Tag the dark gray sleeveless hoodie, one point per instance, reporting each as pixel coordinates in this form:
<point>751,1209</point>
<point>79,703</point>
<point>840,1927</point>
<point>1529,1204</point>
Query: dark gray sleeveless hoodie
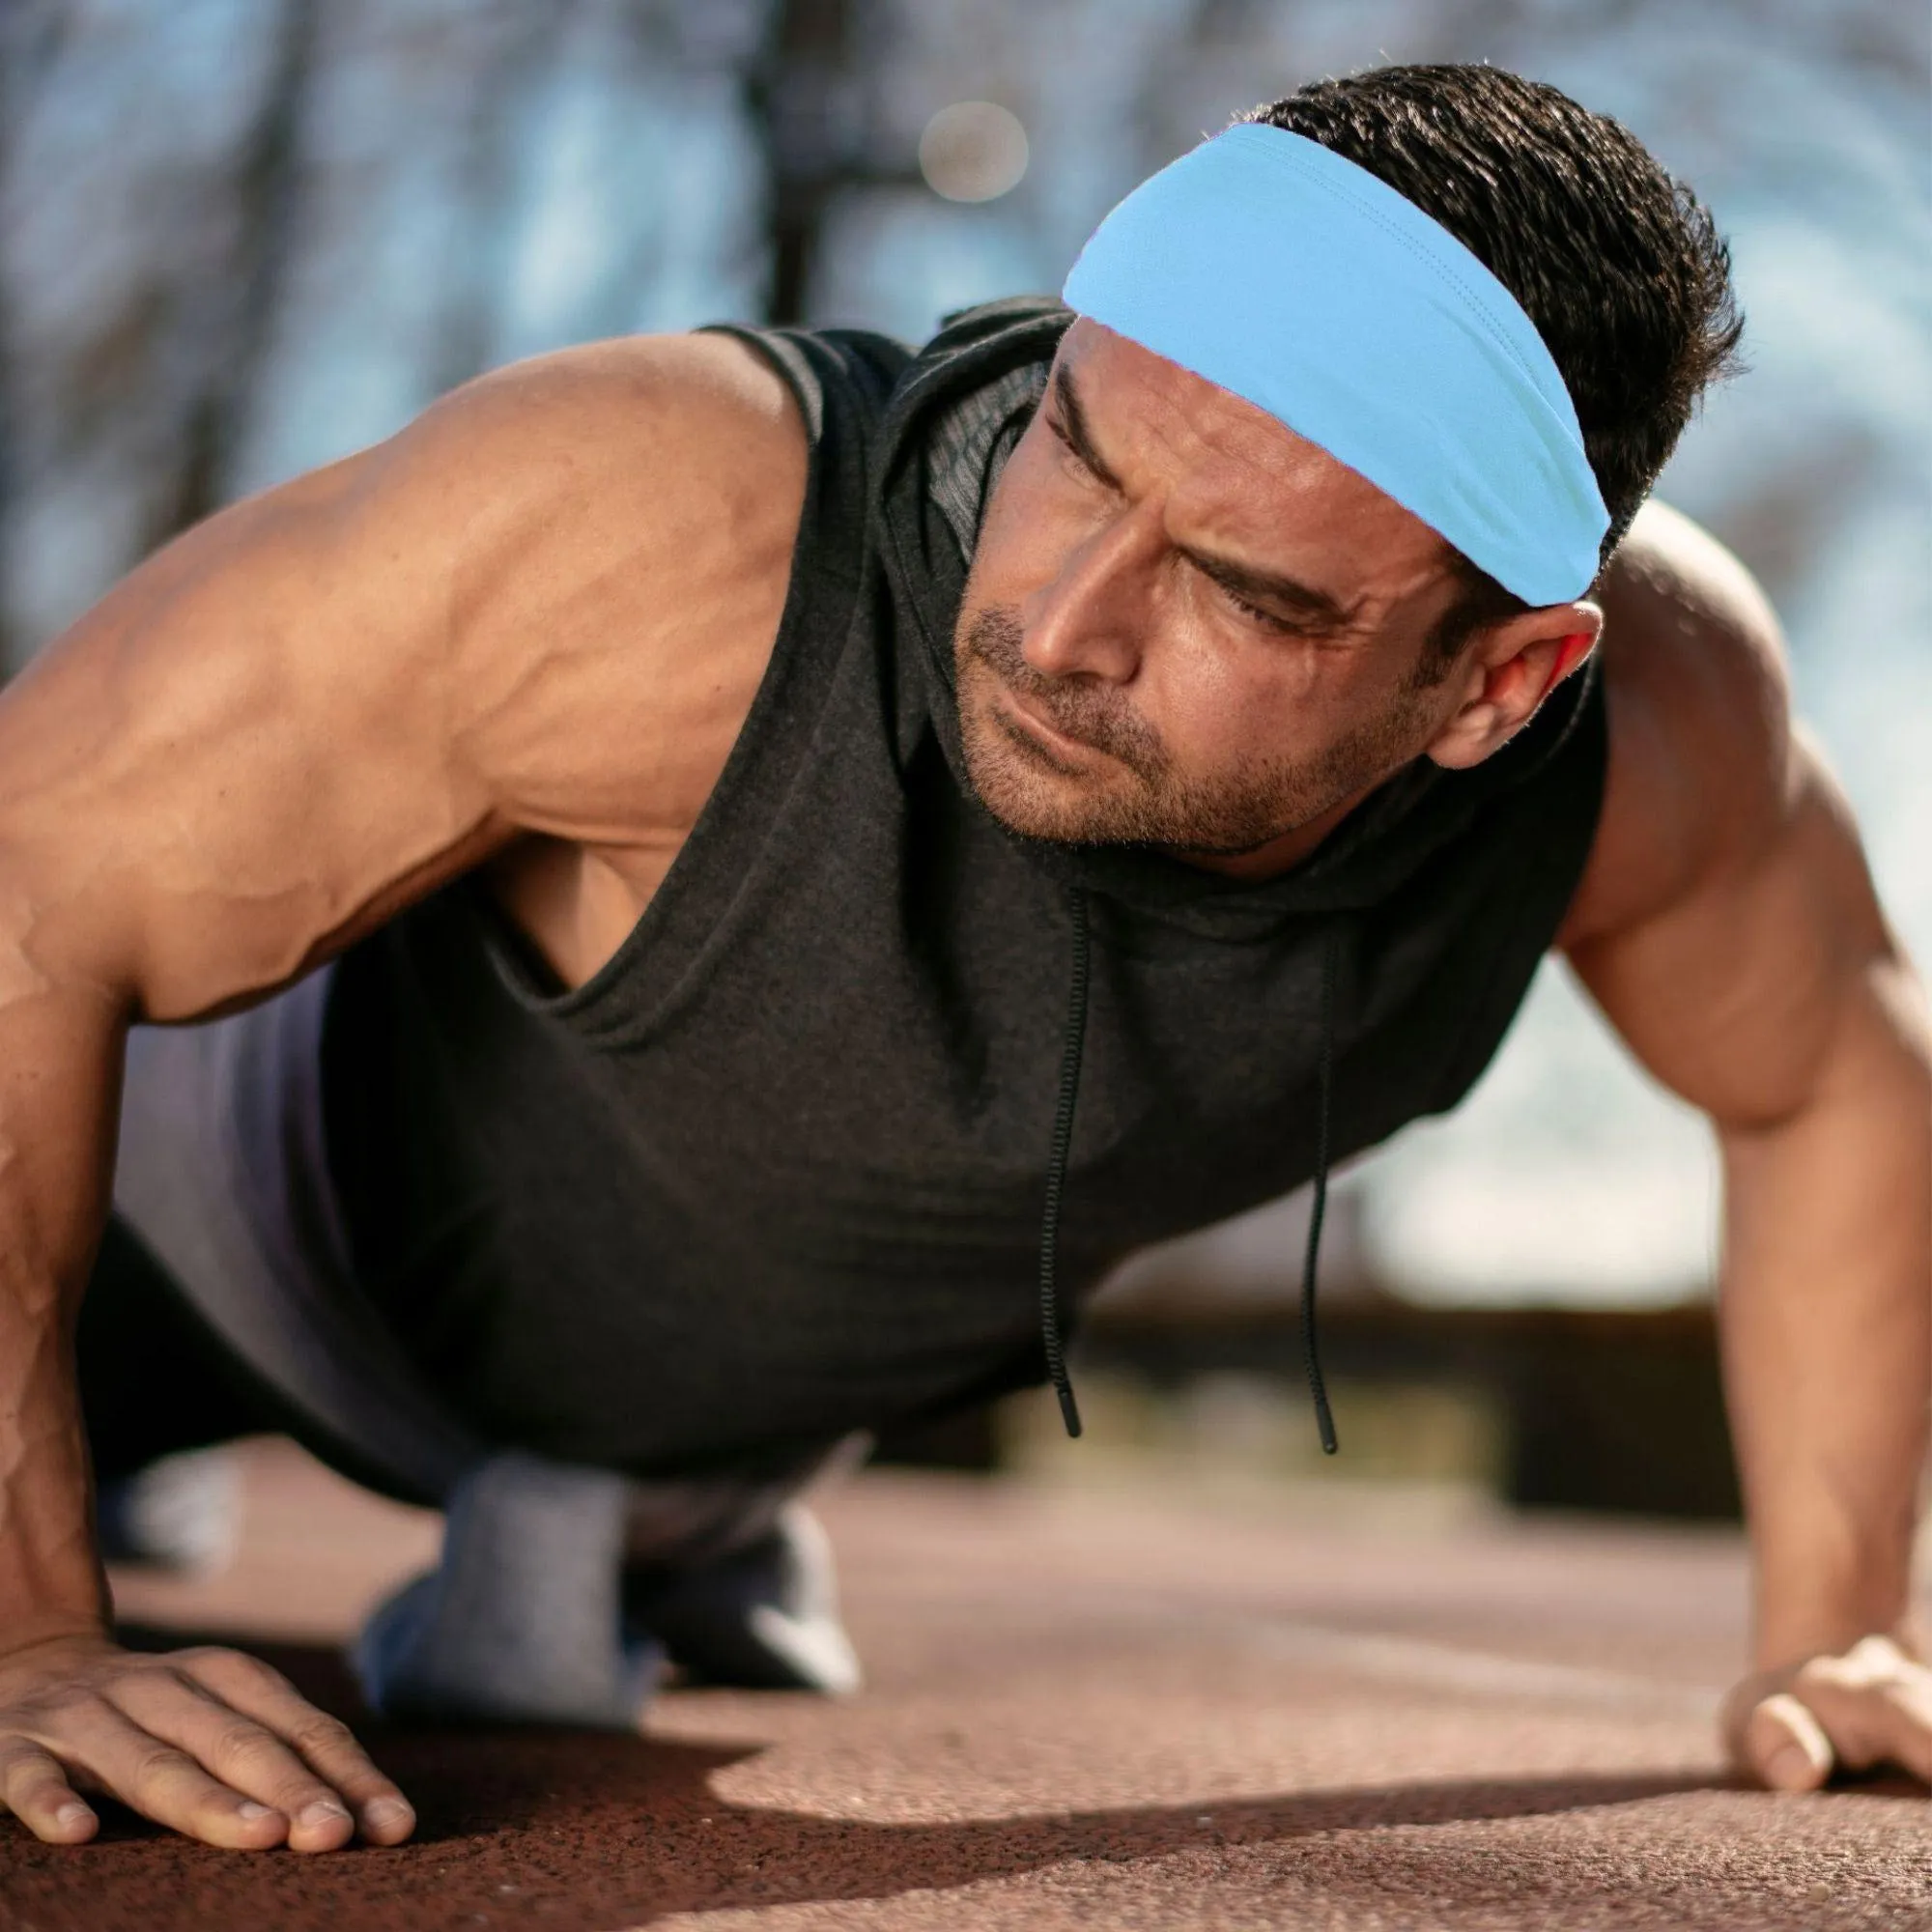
<point>778,1171</point>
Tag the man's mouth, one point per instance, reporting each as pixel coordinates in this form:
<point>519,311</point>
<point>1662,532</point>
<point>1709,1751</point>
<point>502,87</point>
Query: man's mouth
<point>1018,719</point>
<point>1068,726</point>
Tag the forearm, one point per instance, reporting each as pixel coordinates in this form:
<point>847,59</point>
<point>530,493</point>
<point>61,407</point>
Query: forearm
<point>60,1059</point>
<point>1827,1324</point>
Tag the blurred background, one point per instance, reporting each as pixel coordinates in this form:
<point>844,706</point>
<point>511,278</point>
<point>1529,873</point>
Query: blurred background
<point>239,238</point>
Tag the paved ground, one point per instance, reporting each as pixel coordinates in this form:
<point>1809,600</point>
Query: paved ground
<point>1116,1709</point>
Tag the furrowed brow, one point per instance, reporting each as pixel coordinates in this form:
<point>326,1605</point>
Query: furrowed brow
<point>1302,601</point>
<point>1074,430</point>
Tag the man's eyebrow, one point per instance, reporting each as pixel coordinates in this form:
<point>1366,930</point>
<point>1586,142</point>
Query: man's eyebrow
<point>1301,602</point>
<point>1074,430</point>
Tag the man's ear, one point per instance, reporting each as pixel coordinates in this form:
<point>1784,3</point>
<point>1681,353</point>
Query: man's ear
<point>1514,666</point>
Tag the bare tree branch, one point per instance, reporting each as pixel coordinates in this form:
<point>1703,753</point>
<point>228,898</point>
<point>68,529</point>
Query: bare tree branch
<point>268,184</point>
<point>516,36</point>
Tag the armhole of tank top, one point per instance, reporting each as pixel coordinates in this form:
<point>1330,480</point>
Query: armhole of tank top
<point>581,1008</point>
<point>1551,885</point>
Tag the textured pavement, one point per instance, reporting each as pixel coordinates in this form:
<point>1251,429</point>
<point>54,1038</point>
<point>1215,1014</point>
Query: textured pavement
<point>1118,1708</point>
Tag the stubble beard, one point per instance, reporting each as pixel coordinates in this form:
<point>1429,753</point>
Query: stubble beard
<point>1142,800</point>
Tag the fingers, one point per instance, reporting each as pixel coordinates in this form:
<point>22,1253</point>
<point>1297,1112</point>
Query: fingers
<point>1871,1705</point>
<point>241,1754</point>
<point>1784,1745</point>
<point>1874,1704</point>
<point>209,1743</point>
<point>156,1777</point>
<point>34,1787</point>
<point>323,1744</point>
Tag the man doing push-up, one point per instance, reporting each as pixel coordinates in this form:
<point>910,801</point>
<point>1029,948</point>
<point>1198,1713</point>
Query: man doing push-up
<point>724,881</point>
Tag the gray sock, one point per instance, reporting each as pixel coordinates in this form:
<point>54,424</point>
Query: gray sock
<point>538,1614</point>
<point>521,1621</point>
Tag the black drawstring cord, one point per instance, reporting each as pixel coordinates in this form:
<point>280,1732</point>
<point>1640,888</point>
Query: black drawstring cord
<point>1056,1169</point>
<point>1325,1420</point>
<point>1074,1048</point>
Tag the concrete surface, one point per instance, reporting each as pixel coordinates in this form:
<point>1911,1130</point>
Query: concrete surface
<point>1109,1706</point>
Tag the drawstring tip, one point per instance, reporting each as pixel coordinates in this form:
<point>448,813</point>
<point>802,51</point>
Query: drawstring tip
<point>1068,1412</point>
<point>1311,1266</point>
<point>1051,1340</point>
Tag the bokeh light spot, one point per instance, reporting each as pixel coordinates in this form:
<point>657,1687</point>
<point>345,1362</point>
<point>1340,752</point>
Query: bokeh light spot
<point>973,150</point>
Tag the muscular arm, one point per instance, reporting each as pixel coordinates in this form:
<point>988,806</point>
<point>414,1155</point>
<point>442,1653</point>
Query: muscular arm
<point>1728,928</point>
<point>527,627</point>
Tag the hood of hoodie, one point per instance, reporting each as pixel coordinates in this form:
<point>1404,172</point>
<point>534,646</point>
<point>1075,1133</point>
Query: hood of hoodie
<point>955,415</point>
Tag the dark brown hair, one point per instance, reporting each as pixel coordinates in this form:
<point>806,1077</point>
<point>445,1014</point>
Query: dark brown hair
<point>1616,262</point>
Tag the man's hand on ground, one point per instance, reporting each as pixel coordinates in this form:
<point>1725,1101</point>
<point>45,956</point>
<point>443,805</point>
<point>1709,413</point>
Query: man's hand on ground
<point>212,1742</point>
<point>1790,1729</point>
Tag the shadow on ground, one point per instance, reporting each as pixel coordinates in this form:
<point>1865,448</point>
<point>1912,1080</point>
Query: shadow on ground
<point>593,1831</point>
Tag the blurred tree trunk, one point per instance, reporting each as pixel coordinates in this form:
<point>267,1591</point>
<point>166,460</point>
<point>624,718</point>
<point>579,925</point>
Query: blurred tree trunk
<point>30,35</point>
<point>799,89</point>
<point>269,194</point>
<point>810,91</point>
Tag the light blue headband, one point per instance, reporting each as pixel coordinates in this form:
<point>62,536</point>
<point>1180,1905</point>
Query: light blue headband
<point>1295,278</point>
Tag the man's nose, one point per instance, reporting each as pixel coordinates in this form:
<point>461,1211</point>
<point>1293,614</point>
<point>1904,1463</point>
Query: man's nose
<point>1090,620</point>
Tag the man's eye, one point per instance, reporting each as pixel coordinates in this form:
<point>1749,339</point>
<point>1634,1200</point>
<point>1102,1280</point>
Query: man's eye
<point>1065,441</point>
<point>1267,618</point>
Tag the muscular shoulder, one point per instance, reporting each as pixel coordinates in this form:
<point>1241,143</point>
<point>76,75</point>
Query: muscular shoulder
<point>1726,924</point>
<point>1703,764</point>
<point>630,512</point>
<point>536,615</point>
<point>617,527</point>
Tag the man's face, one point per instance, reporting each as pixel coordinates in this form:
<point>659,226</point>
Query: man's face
<point>1186,626</point>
